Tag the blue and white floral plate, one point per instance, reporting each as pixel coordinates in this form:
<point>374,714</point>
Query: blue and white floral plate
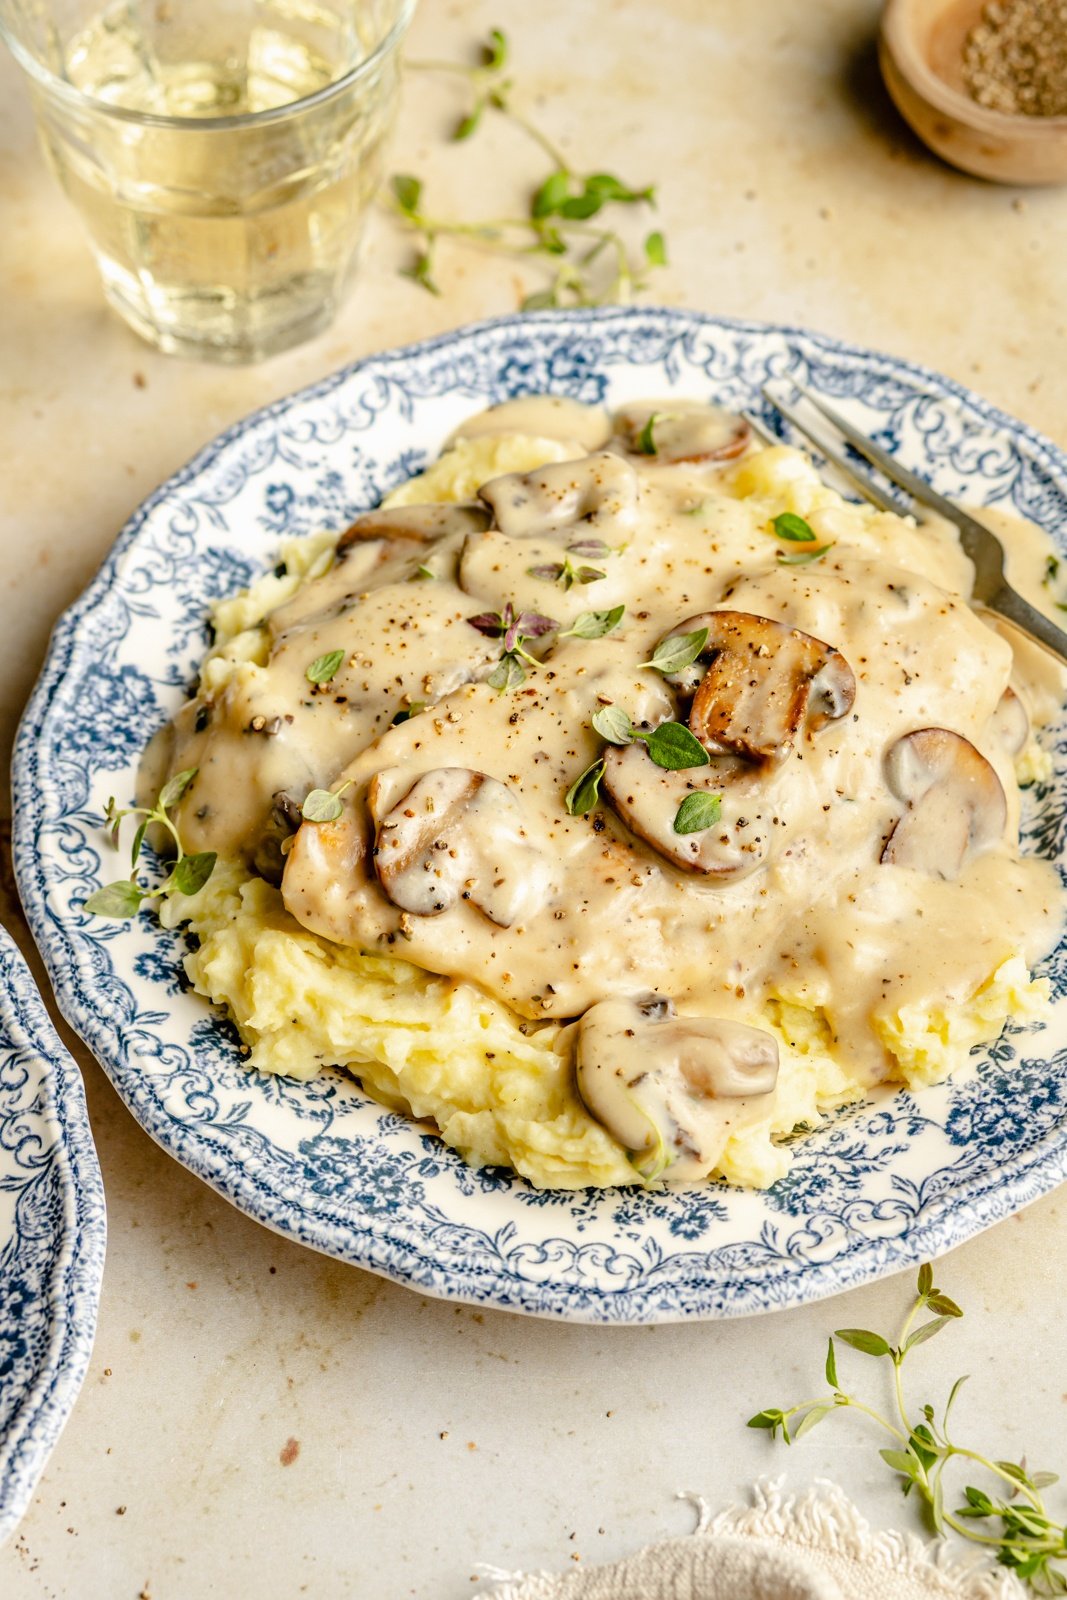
<point>875,1191</point>
<point>52,1229</point>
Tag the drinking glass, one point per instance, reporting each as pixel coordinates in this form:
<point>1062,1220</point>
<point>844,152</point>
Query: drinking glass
<point>222,153</point>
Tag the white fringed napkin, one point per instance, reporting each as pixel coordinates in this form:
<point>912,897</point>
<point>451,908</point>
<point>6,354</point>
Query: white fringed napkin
<point>814,1546</point>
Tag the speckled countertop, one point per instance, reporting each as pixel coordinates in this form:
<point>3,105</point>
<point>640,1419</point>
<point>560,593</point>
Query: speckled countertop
<point>259,1420</point>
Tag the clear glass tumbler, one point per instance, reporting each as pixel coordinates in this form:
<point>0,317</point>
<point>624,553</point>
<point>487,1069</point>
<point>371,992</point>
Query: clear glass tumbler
<point>222,153</point>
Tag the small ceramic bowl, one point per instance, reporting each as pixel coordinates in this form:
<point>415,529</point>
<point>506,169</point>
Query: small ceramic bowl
<point>921,52</point>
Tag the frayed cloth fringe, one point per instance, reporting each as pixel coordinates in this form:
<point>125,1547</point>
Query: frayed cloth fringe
<point>820,1523</point>
<point>824,1519</point>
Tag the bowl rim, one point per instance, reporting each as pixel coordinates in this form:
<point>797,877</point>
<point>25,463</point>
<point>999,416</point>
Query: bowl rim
<point>897,39</point>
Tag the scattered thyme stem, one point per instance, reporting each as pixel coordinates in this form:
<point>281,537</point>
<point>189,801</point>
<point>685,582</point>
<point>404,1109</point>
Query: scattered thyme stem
<point>1024,1537</point>
<point>161,816</point>
<point>898,1384</point>
<point>551,150</point>
<point>564,199</point>
<point>876,1416</point>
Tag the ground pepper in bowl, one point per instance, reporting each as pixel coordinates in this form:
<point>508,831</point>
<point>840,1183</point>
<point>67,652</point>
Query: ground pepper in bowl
<point>1015,58</point>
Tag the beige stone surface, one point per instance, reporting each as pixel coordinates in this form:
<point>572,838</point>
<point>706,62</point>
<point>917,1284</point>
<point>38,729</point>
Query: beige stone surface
<point>261,1421</point>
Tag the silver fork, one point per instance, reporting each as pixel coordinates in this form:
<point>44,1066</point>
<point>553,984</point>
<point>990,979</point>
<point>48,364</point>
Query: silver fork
<point>980,544</point>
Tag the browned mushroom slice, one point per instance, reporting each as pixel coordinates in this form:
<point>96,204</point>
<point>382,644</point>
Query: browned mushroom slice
<point>1010,723</point>
<point>268,856</point>
<point>667,1087</point>
<point>648,799</point>
<point>763,683</point>
<point>682,431</point>
<point>955,804</point>
<point>596,494</point>
<point>416,526</point>
<point>454,836</point>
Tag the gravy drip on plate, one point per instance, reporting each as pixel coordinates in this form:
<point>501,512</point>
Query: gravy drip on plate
<point>822,879</point>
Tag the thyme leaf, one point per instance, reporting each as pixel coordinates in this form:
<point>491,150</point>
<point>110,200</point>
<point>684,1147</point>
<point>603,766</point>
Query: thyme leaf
<point>172,790</point>
<point>324,805</point>
<point>584,792</point>
<point>323,667</point>
<point>787,525</point>
<point>673,747</point>
<point>645,442</point>
<point>656,249</point>
<point>697,812</point>
<point>613,724</point>
<point>406,713</point>
<point>120,900</point>
<point>591,549</point>
<point>508,674</point>
<point>407,192</point>
<point>421,272</point>
<point>677,651</point>
<point>800,558</point>
<point>594,624</point>
<point>192,872</point>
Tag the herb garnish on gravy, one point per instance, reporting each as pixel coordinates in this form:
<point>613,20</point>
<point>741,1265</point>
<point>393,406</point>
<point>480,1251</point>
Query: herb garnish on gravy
<point>622,848</point>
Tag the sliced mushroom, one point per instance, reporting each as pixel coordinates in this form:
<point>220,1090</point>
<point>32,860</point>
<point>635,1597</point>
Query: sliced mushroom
<point>648,797</point>
<point>685,431</point>
<point>598,494</point>
<point>416,526</point>
<point>763,683</point>
<point>454,836</point>
<point>955,803</point>
<point>1009,725</point>
<point>668,1087</point>
<point>268,857</point>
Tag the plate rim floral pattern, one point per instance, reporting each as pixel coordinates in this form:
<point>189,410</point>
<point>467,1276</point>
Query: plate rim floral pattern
<point>52,1261</point>
<point>414,1215</point>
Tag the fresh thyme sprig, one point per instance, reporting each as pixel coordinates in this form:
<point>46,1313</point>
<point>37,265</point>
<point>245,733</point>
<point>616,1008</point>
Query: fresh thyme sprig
<point>671,746</point>
<point>1015,1524</point>
<point>514,628</point>
<point>558,224</point>
<point>189,873</point>
<point>566,573</point>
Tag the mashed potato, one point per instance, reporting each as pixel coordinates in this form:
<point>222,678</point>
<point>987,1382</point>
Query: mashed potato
<point>500,1089</point>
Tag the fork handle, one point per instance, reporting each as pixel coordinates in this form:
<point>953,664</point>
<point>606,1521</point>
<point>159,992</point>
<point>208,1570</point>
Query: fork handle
<point>1006,603</point>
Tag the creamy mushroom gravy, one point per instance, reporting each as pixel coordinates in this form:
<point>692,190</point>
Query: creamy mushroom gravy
<point>858,739</point>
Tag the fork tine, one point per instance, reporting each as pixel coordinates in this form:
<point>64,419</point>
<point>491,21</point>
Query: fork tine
<point>979,543</point>
<point>759,429</point>
<point>867,487</point>
<point>918,488</point>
